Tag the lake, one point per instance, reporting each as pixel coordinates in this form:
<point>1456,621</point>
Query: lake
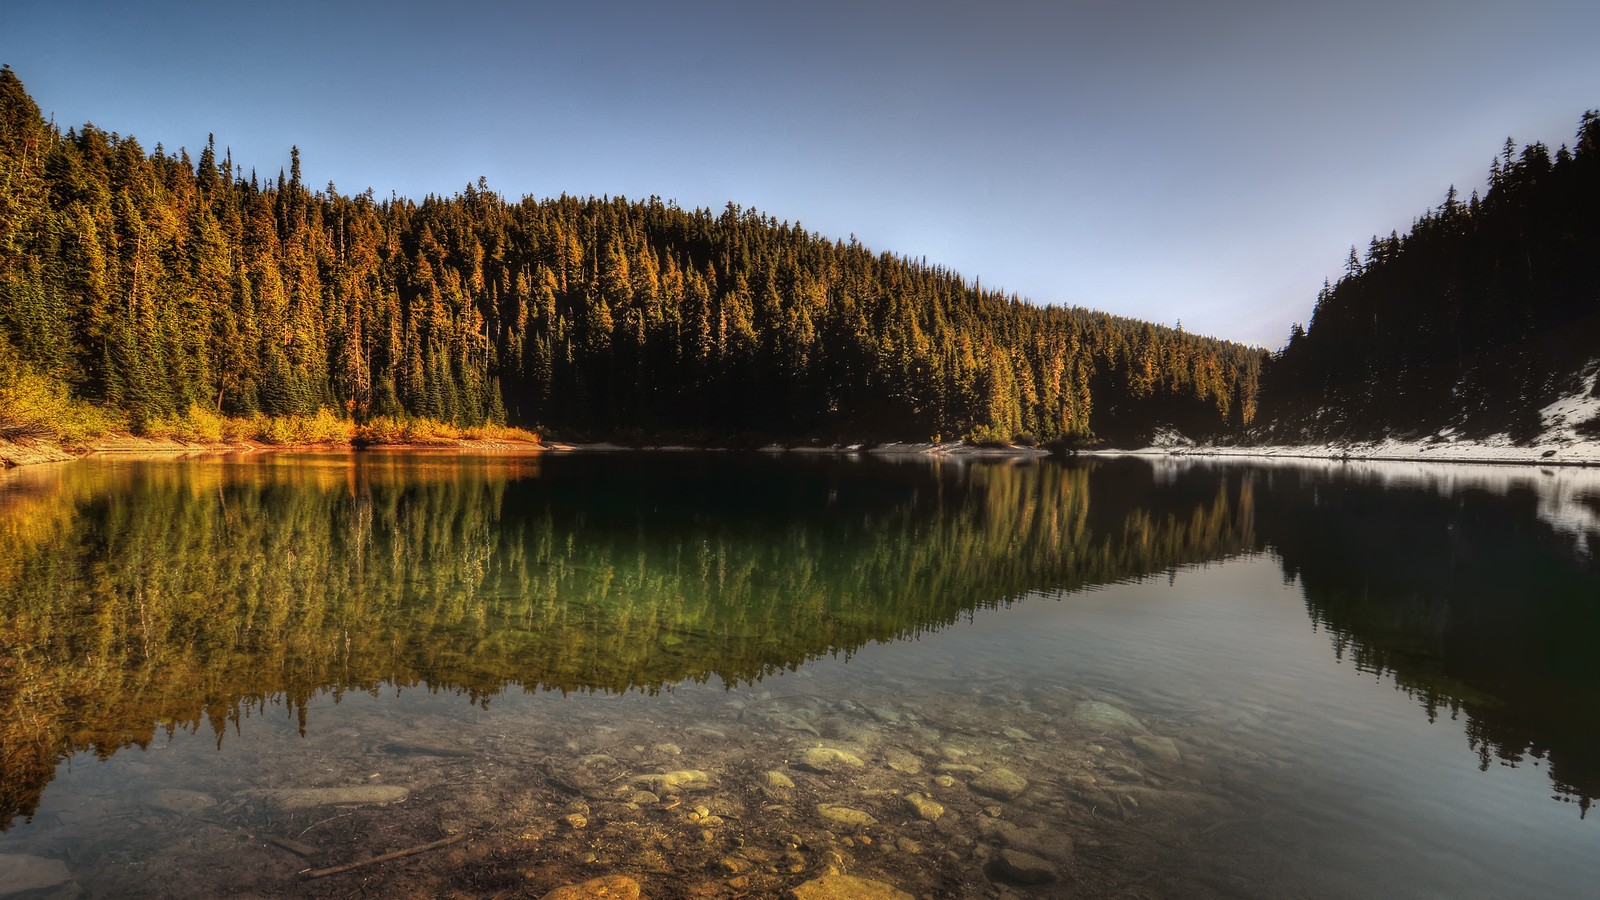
<point>727,675</point>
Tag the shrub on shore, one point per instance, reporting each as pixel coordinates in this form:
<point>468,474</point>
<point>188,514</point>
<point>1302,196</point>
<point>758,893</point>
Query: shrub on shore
<point>35,407</point>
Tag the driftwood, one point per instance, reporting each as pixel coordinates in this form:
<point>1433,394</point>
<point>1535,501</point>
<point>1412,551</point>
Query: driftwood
<point>409,851</point>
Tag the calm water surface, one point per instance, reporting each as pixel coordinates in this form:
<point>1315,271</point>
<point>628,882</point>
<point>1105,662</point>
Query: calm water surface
<point>726,675</point>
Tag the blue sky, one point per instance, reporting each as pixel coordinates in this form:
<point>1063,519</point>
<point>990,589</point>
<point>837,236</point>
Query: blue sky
<point>1202,162</point>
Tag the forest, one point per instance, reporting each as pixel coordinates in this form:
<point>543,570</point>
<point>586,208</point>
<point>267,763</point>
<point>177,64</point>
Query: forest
<point>139,289</point>
<point>160,294</point>
<point>1485,312</point>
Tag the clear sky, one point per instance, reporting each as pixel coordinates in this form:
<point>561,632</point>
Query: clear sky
<point>1202,161</point>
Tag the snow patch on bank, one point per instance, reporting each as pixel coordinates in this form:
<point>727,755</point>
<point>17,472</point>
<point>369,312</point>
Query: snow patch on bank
<point>1570,437</point>
<point>1564,418</point>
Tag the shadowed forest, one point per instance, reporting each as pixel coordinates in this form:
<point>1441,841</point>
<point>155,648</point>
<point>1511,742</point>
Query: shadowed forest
<point>1484,313</point>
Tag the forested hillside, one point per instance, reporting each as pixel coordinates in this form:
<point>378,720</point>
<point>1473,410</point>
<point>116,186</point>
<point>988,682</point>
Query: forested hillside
<point>1484,313</point>
<point>155,285</point>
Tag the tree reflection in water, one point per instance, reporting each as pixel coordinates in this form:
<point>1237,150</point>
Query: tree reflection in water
<point>138,598</point>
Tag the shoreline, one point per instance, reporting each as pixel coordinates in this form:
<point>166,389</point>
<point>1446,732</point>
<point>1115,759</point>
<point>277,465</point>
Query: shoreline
<point>26,453</point>
<point>1576,454</point>
<point>21,453</point>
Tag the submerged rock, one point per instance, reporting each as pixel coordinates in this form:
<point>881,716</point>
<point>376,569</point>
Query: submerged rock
<point>827,760</point>
<point>25,876</point>
<point>1162,748</point>
<point>180,801</point>
<point>929,810</point>
<point>1016,867</point>
<point>611,887</point>
<point>847,887</point>
<point>355,795</point>
<point>885,715</point>
<point>1000,783</point>
<point>1048,843</point>
<point>903,762</point>
<point>1098,716</point>
<point>777,787</point>
<point>681,780</point>
<point>845,816</point>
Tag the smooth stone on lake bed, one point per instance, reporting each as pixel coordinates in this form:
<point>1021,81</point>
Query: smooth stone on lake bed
<point>1001,783</point>
<point>358,795</point>
<point>24,876</point>
<point>1162,748</point>
<point>929,810</point>
<point>180,801</point>
<point>682,779</point>
<point>847,887</point>
<point>903,762</point>
<point>1099,716</point>
<point>1047,843</point>
<point>827,760</point>
<point>845,816</point>
<point>611,887</point>
<point>1016,867</point>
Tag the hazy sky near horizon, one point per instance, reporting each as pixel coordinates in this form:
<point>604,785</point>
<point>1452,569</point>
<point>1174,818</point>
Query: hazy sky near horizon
<point>1202,162</point>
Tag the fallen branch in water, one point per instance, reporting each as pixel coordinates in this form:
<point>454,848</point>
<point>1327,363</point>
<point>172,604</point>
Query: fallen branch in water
<point>410,851</point>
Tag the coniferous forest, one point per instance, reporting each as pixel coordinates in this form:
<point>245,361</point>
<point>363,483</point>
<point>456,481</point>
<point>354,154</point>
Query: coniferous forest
<point>138,288</point>
<point>152,284</point>
<point>1484,313</point>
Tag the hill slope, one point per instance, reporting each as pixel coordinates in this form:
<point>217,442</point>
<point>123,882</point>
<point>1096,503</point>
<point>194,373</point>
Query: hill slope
<point>151,284</point>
